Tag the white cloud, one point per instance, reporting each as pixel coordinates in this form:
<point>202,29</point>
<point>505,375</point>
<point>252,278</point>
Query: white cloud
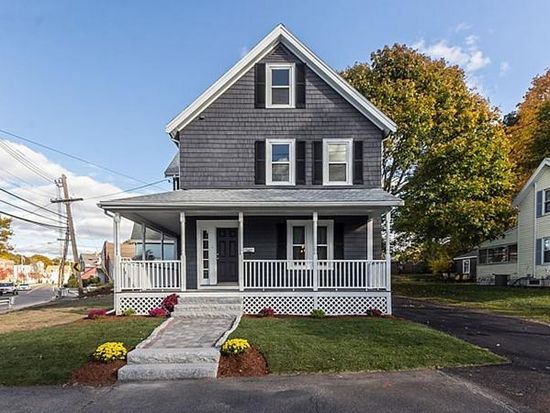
<point>93,227</point>
<point>504,68</point>
<point>462,27</point>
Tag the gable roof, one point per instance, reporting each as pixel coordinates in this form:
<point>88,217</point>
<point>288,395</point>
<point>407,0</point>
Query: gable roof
<point>280,35</point>
<point>525,190</point>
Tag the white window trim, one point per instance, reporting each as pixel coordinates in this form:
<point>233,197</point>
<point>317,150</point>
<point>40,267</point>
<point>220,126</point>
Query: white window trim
<point>349,161</point>
<point>268,86</point>
<point>543,262</point>
<point>269,161</point>
<point>464,262</point>
<point>308,224</point>
<point>544,200</point>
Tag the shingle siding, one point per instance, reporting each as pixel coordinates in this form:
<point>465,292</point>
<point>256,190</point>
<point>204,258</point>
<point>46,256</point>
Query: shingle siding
<point>217,148</point>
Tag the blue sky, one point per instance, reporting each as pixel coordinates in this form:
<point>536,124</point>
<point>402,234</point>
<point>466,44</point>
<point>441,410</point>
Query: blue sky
<point>100,79</point>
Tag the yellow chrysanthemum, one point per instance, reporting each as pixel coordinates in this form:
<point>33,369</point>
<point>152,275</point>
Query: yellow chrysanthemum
<point>235,346</point>
<point>110,351</point>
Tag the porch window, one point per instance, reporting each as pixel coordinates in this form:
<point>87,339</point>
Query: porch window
<point>279,85</point>
<point>322,242</point>
<point>337,161</point>
<point>299,243</point>
<point>280,162</point>
<point>205,249</point>
<point>300,239</point>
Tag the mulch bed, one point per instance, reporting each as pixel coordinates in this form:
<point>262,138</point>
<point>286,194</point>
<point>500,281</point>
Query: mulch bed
<point>250,364</point>
<point>95,373</point>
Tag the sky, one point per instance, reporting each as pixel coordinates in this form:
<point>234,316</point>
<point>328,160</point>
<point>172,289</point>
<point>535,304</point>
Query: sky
<point>100,79</point>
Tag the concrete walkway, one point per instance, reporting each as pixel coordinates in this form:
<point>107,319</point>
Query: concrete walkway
<point>526,344</point>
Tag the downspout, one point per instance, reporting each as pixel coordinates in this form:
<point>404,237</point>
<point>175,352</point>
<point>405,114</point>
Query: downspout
<point>534,229</point>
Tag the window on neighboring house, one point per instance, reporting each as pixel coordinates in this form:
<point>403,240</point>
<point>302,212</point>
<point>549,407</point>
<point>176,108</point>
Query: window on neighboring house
<point>280,162</point>
<point>279,85</point>
<point>547,201</point>
<point>499,255</point>
<point>466,266</point>
<point>300,239</point>
<point>337,161</point>
<point>546,251</point>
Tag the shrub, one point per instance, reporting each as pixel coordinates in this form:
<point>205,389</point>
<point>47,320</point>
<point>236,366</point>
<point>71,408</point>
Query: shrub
<point>374,312</point>
<point>266,312</point>
<point>158,312</point>
<point>110,351</point>
<point>235,346</point>
<point>169,302</point>
<point>317,313</point>
<point>440,265</point>
<point>129,312</point>
<point>96,313</point>
<point>71,282</point>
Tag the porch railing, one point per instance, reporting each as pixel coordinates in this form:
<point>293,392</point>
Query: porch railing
<point>323,274</point>
<point>150,275</point>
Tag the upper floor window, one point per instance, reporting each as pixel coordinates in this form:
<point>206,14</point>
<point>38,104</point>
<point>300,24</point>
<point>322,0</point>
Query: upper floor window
<point>547,201</point>
<point>280,162</point>
<point>279,85</point>
<point>337,160</point>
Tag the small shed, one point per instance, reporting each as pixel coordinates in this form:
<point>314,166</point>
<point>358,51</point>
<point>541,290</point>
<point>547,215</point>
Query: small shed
<point>466,264</point>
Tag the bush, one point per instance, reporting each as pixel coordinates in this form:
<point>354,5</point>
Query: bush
<point>317,313</point>
<point>96,313</point>
<point>169,302</point>
<point>158,312</point>
<point>235,346</point>
<point>374,312</point>
<point>110,351</point>
<point>71,282</point>
<point>266,312</point>
<point>129,312</point>
<point>440,265</point>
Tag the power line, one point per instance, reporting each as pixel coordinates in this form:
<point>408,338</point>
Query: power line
<point>78,158</point>
<point>21,158</point>
<point>32,203</point>
<point>28,210</point>
<point>128,190</point>
<point>43,224</point>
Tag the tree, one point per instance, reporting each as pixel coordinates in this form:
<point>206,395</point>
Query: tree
<point>449,157</point>
<point>5,234</point>
<point>540,147</point>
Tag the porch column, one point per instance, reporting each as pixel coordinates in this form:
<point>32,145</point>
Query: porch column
<point>241,251</point>
<point>315,255</point>
<point>116,252</point>
<point>370,226</point>
<point>162,246</point>
<point>388,261</point>
<point>183,259</point>
<point>143,238</point>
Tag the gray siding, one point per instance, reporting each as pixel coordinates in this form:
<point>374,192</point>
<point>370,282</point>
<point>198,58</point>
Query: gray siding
<point>217,151</point>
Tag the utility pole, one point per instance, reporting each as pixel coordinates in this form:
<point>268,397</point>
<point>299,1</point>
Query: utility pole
<point>67,200</point>
<point>61,275</point>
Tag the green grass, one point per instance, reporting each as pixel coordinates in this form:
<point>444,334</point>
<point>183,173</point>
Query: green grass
<point>301,344</point>
<point>529,303</point>
<point>49,355</point>
<point>82,305</point>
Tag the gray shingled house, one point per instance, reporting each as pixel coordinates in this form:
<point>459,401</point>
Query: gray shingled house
<point>277,196</point>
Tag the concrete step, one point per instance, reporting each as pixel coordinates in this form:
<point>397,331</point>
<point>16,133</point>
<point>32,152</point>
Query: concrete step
<point>209,307</point>
<point>148,372</point>
<point>204,314</point>
<point>173,355</point>
<point>211,300</point>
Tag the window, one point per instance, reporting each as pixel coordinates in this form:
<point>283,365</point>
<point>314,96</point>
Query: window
<point>466,266</point>
<point>300,239</point>
<point>280,162</point>
<point>499,255</point>
<point>205,250</point>
<point>546,251</point>
<point>337,161</point>
<point>279,85</point>
<point>546,207</point>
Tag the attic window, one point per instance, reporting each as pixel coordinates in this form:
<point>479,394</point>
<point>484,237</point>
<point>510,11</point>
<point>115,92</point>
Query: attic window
<point>279,85</point>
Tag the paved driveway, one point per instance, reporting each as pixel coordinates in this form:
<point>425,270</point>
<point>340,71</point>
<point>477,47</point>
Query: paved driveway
<point>526,344</point>
<point>421,391</point>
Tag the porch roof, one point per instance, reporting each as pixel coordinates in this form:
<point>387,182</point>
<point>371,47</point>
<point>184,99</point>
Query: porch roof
<point>261,197</point>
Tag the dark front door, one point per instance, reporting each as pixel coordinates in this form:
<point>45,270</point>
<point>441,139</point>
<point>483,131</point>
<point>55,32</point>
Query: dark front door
<point>228,263</point>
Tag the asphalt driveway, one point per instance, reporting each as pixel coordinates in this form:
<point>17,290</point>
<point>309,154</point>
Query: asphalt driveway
<point>526,344</point>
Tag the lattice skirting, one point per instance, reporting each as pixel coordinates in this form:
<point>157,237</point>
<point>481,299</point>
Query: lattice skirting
<point>141,302</point>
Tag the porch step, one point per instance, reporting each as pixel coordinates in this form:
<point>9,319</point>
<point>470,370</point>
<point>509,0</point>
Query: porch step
<point>214,307</point>
<point>204,314</point>
<point>173,356</point>
<point>203,299</point>
<point>167,371</point>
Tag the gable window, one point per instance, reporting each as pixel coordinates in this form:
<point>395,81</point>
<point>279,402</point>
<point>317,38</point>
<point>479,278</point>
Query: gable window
<point>300,240</point>
<point>546,207</point>
<point>337,155</point>
<point>279,85</point>
<point>280,162</point>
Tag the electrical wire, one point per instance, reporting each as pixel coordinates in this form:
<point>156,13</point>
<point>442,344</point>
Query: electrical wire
<point>30,165</point>
<point>30,202</point>
<point>43,224</point>
<point>29,211</point>
<point>127,190</point>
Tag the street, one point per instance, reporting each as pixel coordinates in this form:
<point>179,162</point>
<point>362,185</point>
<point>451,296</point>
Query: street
<point>39,294</point>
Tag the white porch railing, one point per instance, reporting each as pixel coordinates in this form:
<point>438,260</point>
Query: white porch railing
<point>324,274</point>
<point>150,275</point>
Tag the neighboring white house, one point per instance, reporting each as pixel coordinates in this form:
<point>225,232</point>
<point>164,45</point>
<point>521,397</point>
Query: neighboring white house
<point>524,250</point>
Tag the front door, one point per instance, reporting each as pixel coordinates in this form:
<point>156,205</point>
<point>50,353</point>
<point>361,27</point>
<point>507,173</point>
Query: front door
<point>227,256</point>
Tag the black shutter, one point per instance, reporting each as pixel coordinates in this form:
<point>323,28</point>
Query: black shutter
<point>338,241</point>
<point>281,241</point>
<point>300,86</point>
<point>539,204</point>
<point>317,163</point>
<point>357,162</point>
<point>538,252</point>
<point>259,164</point>
<point>300,162</point>
<point>259,85</point>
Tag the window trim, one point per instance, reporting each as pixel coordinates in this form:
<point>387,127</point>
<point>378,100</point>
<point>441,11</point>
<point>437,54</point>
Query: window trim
<point>494,247</point>
<point>308,224</point>
<point>291,85</point>
<point>546,201</point>
<point>542,251</point>
<point>467,260</point>
<point>349,161</point>
<point>291,162</point>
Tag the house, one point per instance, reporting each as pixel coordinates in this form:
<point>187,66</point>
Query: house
<point>523,251</point>
<point>278,198</point>
<point>90,264</point>
<point>52,273</point>
<point>466,264</point>
<point>6,269</point>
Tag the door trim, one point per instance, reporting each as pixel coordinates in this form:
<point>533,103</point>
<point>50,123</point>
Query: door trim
<point>211,227</point>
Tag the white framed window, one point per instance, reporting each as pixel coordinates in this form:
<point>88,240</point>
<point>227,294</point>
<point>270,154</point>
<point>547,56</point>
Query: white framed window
<point>279,83</point>
<point>546,251</point>
<point>546,202</point>
<point>337,161</point>
<point>300,239</point>
<point>280,162</point>
<point>466,266</point>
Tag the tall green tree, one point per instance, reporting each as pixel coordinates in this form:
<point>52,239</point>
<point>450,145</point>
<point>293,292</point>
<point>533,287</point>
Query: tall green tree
<point>449,157</point>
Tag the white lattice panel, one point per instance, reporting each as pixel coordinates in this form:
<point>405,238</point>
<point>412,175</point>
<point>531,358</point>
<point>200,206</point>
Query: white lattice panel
<point>352,305</point>
<point>297,305</point>
<point>141,304</point>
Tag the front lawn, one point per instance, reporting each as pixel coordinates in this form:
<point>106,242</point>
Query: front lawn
<point>530,303</point>
<point>49,355</point>
<point>307,345</point>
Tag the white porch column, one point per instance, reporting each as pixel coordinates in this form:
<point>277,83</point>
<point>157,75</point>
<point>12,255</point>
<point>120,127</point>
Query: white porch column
<point>183,258</point>
<point>388,261</point>
<point>117,279</point>
<point>370,226</point>
<point>143,238</point>
<point>241,251</point>
<point>315,255</point>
